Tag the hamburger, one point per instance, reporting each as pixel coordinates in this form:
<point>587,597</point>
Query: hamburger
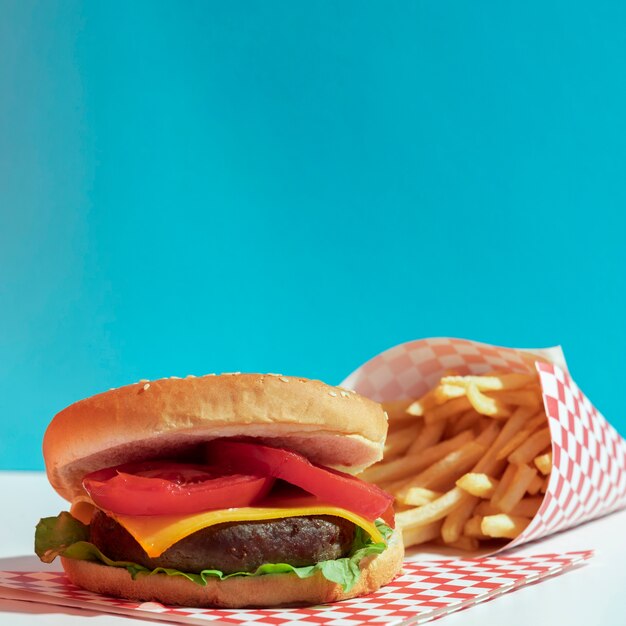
<point>227,491</point>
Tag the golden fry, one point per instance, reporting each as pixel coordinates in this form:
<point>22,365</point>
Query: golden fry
<point>443,393</point>
<point>465,543</point>
<point>531,447</point>
<point>516,489</point>
<point>543,463</point>
<point>527,507</point>
<point>420,534</point>
<point>429,436</point>
<point>401,468</point>
<point>520,397</point>
<point>478,484</point>
<point>455,521</point>
<point>503,526</point>
<point>430,512</point>
<point>486,508</point>
<point>521,436</point>
<point>469,419</point>
<point>447,410</point>
<point>486,405</point>
<point>472,527</point>
<point>535,485</point>
<point>489,434</point>
<point>400,440</point>
<point>417,496</point>
<point>453,463</point>
<point>520,419</point>
<point>493,382</point>
<point>503,485</point>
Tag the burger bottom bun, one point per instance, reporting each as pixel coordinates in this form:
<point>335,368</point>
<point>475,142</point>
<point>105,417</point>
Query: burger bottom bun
<point>270,590</point>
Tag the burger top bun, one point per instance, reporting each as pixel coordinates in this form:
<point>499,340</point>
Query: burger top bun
<point>329,425</point>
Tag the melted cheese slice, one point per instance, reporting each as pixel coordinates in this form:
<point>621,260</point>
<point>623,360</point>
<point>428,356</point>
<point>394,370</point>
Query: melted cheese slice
<point>83,509</point>
<point>156,533</point>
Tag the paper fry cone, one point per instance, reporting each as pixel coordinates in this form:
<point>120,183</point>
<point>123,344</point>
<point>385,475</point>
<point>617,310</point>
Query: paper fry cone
<point>588,477</point>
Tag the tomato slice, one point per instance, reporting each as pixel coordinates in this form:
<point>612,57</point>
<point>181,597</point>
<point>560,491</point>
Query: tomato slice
<point>328,485</point>
<point>168,488</point>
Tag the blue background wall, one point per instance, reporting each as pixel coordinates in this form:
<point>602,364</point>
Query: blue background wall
<point>284,186</point>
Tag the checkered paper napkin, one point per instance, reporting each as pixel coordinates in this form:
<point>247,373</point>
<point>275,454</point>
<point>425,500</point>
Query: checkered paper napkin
<point>588,476</point>
<point>424,591</point>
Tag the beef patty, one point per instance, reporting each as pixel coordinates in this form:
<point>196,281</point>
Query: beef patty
<point>234,546</point>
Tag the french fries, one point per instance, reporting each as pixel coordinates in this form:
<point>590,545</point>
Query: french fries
<point>531,447</point>
<point>399,442</point>
<point>421,534</point>
<point>447,410</point>
<point>469,544</point>
<point>484,404</point>
<point>503,526</point>
<point>431,512</point>
<point>473,528</point>
<point>516,489</point>
<point>429,436</point>
<point>491,383</point>
<point>477,484</point>
<point>543,462</point>
<point>535,485</point>
<point>446,468</point>
<point>404,467</point>
<point>469,461</point>
<point>416,496</point>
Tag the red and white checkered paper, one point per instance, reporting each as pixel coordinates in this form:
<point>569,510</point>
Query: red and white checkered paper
<point>425,591</point>
<point>588,476</point>
<point>588,480</point>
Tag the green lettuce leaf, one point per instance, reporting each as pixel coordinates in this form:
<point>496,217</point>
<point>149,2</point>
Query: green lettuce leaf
<point>66,536</point>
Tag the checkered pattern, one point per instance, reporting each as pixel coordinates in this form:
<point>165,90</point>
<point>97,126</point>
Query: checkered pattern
<point>589,456</point>
<point>411,369</point>
<point>589,459</point>
<point>425,591</point>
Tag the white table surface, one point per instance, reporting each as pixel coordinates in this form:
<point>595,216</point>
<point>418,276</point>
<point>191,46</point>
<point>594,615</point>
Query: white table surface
<point>594,594</point>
